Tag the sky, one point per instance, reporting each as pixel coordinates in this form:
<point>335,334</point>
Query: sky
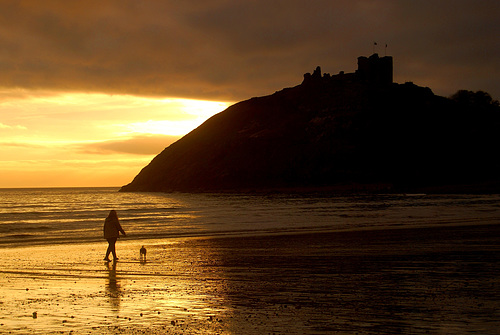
<point>92,90</point>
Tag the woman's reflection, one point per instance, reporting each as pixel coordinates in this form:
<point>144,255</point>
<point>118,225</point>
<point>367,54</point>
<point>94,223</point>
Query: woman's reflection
<point>113,287</point>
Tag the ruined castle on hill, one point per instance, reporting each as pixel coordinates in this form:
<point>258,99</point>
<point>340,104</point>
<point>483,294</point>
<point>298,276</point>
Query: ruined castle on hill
<point>373,70</point>
<point>338,134</point>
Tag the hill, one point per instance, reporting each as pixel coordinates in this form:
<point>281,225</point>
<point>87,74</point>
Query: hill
<point>348,133</point>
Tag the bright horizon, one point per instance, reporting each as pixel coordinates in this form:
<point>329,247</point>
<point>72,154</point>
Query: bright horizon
<point>51,139</point>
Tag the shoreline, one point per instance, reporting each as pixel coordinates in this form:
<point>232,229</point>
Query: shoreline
<point>344,189</point>
<point>245,234</point>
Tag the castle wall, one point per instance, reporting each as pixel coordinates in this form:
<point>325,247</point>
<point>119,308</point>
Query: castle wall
<point>373,70</point>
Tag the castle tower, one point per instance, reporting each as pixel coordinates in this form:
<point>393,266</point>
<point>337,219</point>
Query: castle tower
<point>375,70</point>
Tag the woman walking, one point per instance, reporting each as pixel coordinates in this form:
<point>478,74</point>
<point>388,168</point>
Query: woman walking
<point>112,229</point>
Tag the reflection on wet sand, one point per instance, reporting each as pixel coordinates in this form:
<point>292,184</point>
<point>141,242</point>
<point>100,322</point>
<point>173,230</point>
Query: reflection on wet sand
<point>113,287</point>
<point>391,282</point>
<point>415,281</point>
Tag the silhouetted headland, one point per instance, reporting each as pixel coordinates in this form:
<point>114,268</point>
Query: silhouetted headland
<point>350,132</point>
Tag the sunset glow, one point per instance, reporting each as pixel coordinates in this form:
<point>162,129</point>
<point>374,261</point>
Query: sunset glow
<point>194,112</point>
<point>91,91</point>
<point>88,139</point>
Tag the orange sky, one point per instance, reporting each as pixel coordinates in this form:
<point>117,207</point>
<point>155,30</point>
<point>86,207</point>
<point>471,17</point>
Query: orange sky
<point>91,91</point>
<point>82,139</point>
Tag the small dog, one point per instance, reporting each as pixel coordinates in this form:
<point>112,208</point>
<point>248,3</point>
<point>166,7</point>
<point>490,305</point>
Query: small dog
<point>143,252</point>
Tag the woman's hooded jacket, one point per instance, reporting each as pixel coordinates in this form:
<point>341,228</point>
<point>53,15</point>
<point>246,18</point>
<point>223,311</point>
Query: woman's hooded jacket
<point>112,227</point>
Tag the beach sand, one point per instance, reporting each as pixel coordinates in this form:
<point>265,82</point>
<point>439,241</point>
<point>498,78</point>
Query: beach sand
<point>414,281</point>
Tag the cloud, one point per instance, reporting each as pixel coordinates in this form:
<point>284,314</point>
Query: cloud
<point>16,127</point>
<point>232,50</point>
<point>22,145</point>
<point>138,145</point>
<point>17,93</point>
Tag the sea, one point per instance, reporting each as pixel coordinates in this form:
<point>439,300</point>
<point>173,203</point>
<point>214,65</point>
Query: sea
<point>40,216</point>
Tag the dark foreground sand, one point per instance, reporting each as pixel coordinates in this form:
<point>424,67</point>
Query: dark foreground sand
<point>411,281</point>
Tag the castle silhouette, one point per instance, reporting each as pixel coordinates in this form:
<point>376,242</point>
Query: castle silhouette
<point>373,70</point>
<point>346,133</point>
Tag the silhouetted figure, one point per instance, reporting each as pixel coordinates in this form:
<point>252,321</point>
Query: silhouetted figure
<point>143,252</point>
<point>112,229</point>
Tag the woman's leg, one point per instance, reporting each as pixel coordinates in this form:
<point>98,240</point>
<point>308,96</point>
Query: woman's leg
<point>111,248</point>
<point>108,251</point>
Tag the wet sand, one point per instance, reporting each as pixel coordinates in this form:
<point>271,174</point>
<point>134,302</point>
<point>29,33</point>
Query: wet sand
<point>413,281</point>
